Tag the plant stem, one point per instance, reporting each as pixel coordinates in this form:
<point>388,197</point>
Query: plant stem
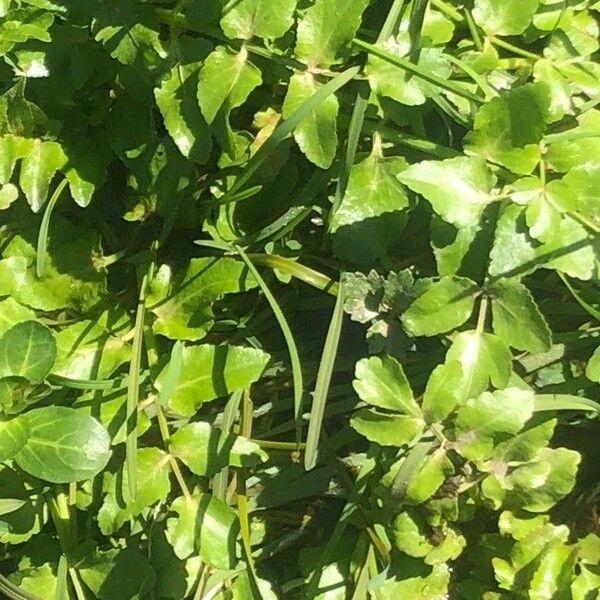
<point>483,305</point>
<point>512,48</point>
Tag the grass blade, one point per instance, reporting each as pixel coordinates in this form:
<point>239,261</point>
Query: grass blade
<point>356,124</point>
<point>62,586</point>
<point>287,127</point>
<point>133,388</point>
<point>415,26</point>
<point>323,380</point>
<point>585,305</point>
<point>293,268</point>
<point>350,509</point>
<point>408,468</point>
<point>551,402</point>
<point>220,480</point>
<point>10,590</point>
<point>294,215</point>
<point>42,240</point>
<point>405,64</point>
<point>289,340</point>
<point>89,384</point>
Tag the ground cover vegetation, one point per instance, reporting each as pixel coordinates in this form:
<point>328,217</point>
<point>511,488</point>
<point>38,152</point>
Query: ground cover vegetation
<point>299,299</point>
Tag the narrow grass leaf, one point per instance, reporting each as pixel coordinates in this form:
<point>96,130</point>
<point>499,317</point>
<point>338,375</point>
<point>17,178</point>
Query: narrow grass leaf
<point>323,380</point>
<point>408,468</point>
<point>133,389</point>
<point>10,590</point>
<point>62,585</point>
<point>289,340</point>
<point>403,63</point>
<point>220,480</point>
<point>293,268</point>
<point>354,130</point>
<point>288,126</point>
<point>585,305</point>
<point>91,384</point>
<point>42,241</point>
<point>552,402</point>
<point>415,27</point>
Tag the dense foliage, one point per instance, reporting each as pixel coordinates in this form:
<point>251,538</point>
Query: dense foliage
<point>299,299</point>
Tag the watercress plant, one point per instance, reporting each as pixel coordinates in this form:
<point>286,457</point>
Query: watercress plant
<point>299,299</point>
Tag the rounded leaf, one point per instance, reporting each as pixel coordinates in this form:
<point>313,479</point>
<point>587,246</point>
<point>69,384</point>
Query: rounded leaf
<point>27,350</point>
<point>63,445</point>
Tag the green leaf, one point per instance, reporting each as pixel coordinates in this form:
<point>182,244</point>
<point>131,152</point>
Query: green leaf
<point>8,194</point>
<point>387,79</point>
<point>428,586</point>
<point>152,486</point>
<point>504,17</point>
<point>63,445</point>
<point>545,203</point>
<point>13,436</point>
<point>441,395</point>
<point>577,146</point>
<point>517,320</point>
<point>41,162</point>
<point>502,411</point>
<point>386,429</point>
<point>584,180</point>
<point>466,190</point>
<point>90,350</point>
<point>445,305</point>
<point>326,30</point>
<point>71,276</point>
<point>427,479</point>
<point>129,31</point>
<point>483,418</point>
<point>208,372</point>
<point>183,303</point>
<point>539,485</point>
<point>176,98</point>
<point>316,134</point>
<point>12,149</point>
<point>509,128</point>
<point>525,445</point>
<point>484,358</point>
<point>225,82</point>
<point>365,226</point>
<point>515,253</point>
<point>381,382</point>
<point>592,369</point>
<point>118,575</point>
<point>11,313</point>
<point>28,350</point>
<point>110,408</point>
<point>17,393</point>
<point>411,534</point>
<point>28,514</point>
<point>206,450</point>
<point>261,18</point>
<point>39,581</point>
<point>554,572</point>
<point>206,526</point>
